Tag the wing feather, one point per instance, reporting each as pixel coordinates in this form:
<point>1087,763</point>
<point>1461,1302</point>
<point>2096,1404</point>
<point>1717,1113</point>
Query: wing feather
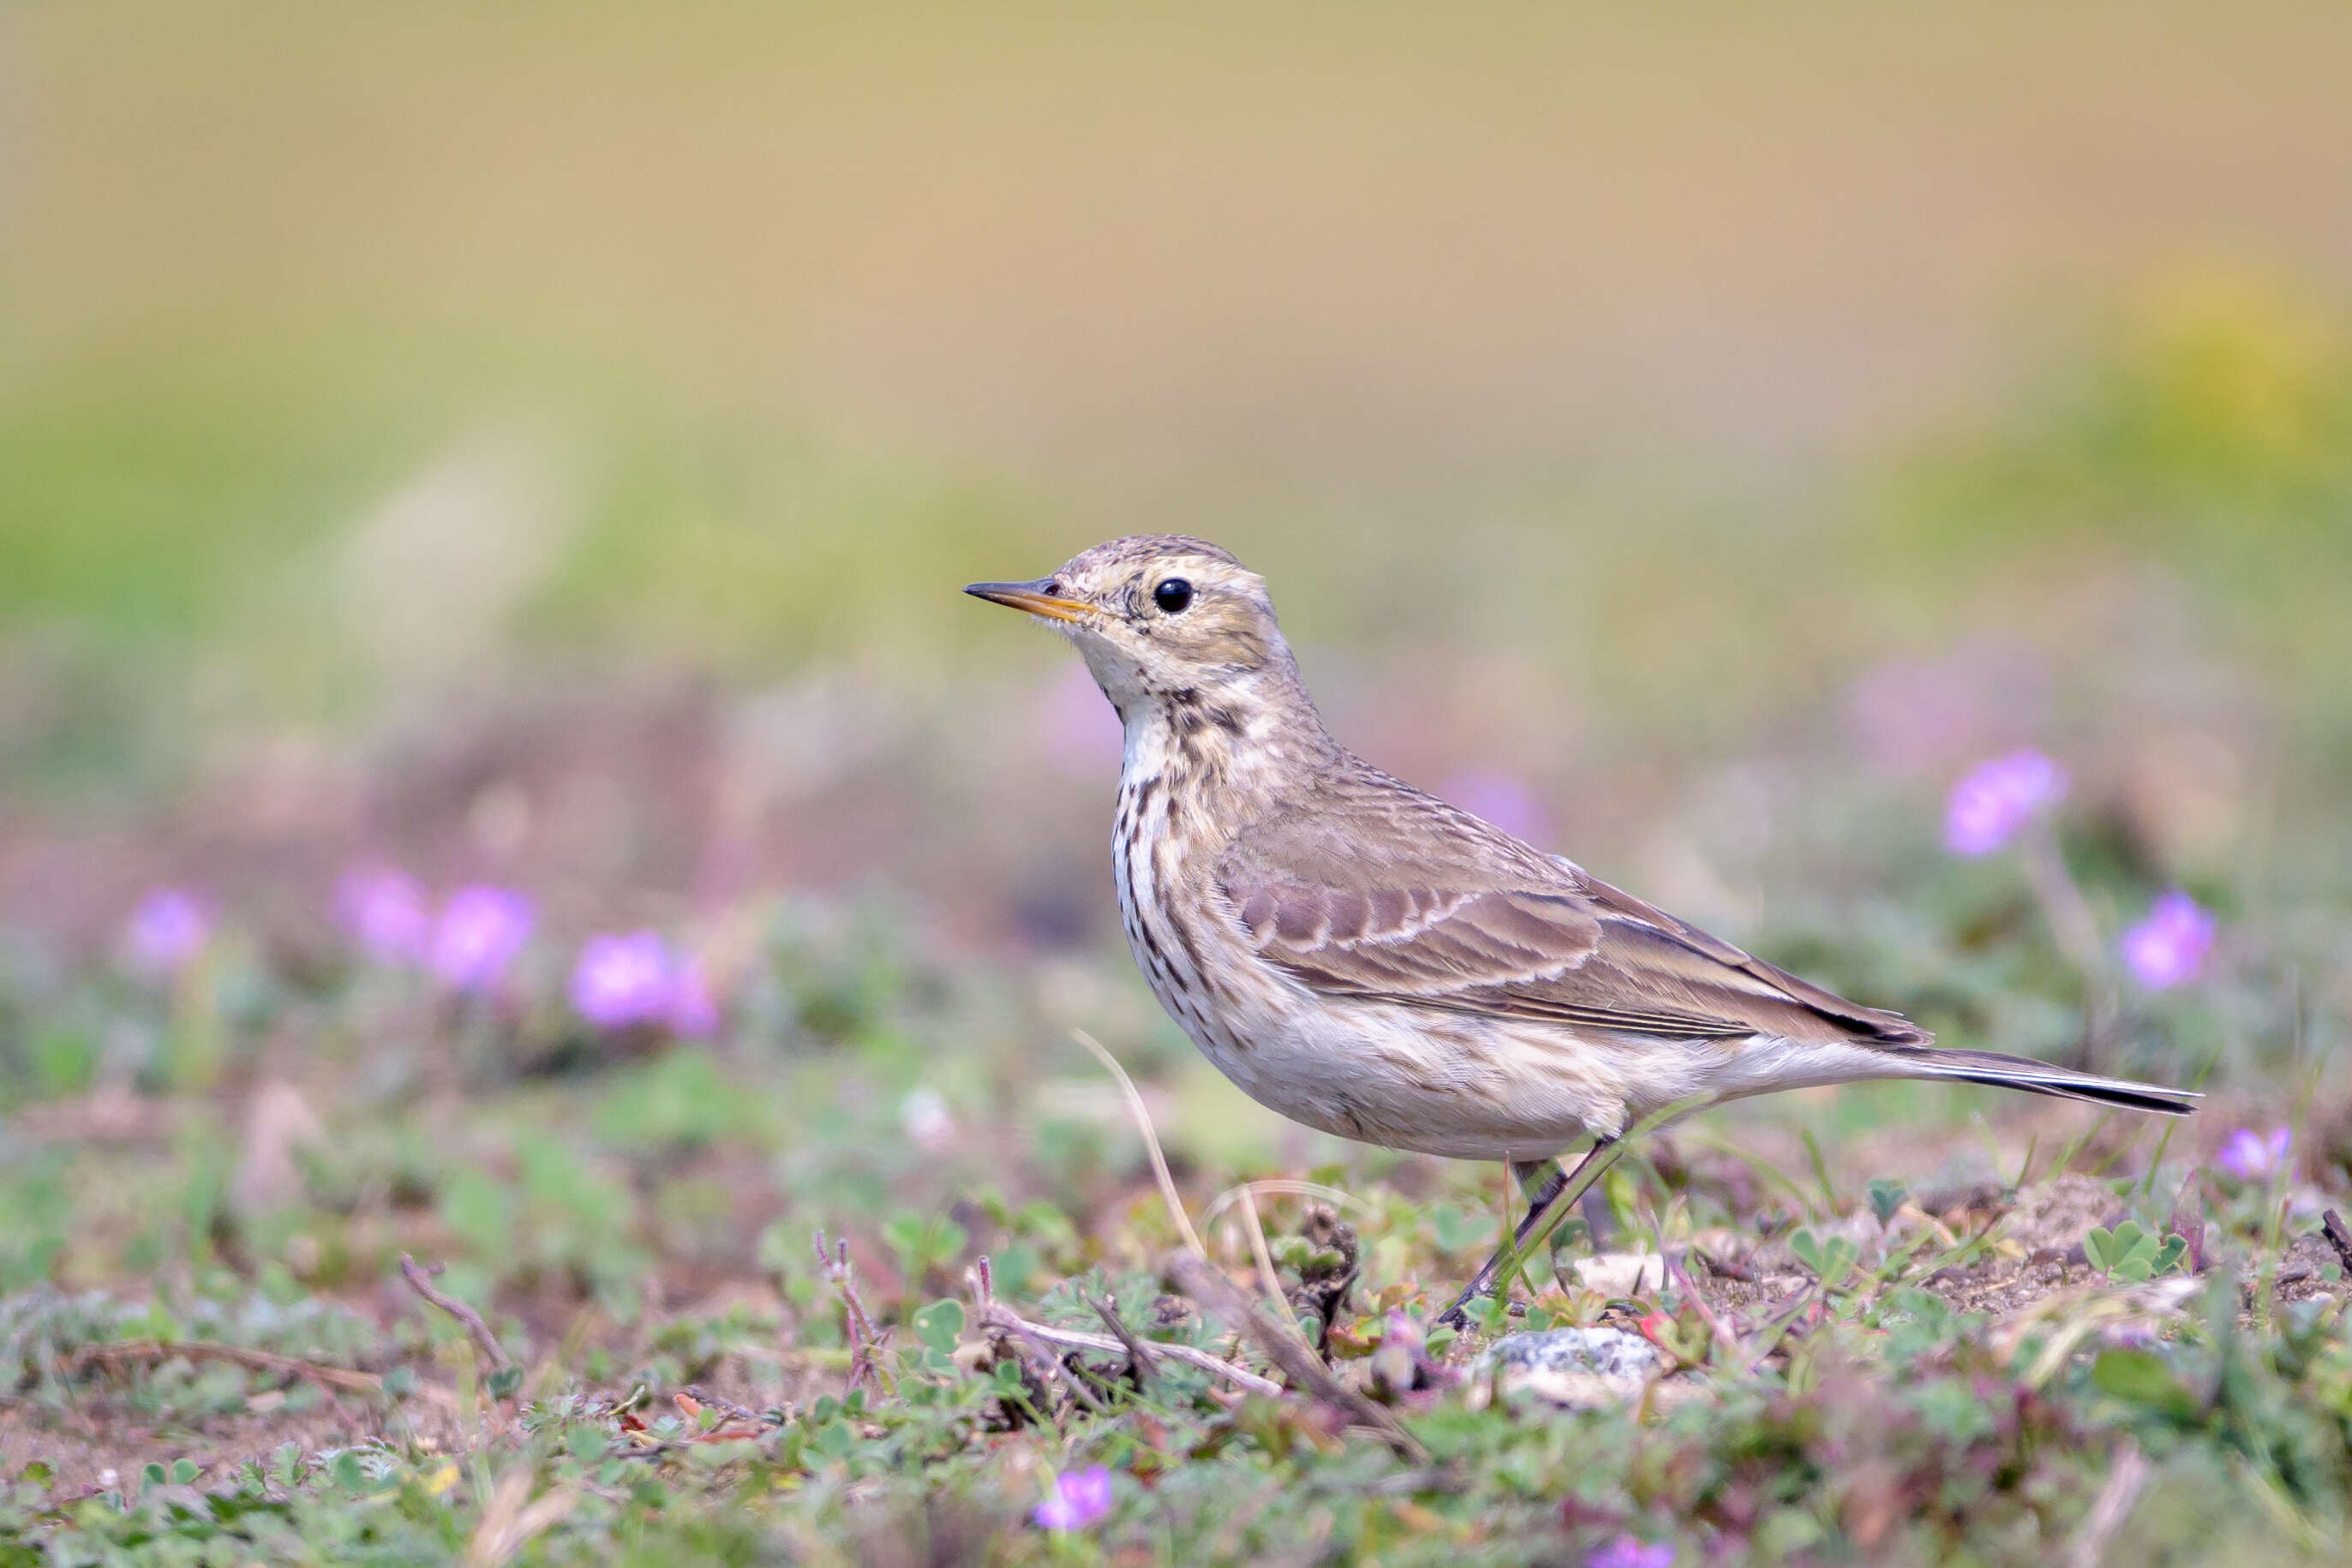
<point>1456,915</point>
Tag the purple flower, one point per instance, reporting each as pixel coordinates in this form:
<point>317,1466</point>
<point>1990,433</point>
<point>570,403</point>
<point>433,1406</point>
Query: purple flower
<point>481,930</point>
<point>166,931</point>
<point>2252,1156</point>
<point>383,909</point>
<point>623,980</point>
<point>1078,1501</point>
<point>620,982</point>
<point>1629,1550</point>
<point>2169,946</point>
<point>1996,798</point>
<point>1502,800</point>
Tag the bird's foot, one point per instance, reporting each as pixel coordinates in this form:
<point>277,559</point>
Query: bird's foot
<point>1457,1316</point>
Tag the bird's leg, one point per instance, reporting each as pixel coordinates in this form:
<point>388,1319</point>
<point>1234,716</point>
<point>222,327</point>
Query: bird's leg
<point>1546,1208</point>
<point>1539,1182</point>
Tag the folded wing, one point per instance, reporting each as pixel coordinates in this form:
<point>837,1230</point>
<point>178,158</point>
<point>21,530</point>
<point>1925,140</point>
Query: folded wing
<point>1469,920</point>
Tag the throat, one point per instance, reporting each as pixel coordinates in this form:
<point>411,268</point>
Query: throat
<point>1192,744</point>
<point>1239,735</point>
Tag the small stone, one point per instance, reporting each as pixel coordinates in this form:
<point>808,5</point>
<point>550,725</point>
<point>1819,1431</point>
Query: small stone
<point>1622,1275</point>
<point>1575,1369</point>
<point>1609,1351</point>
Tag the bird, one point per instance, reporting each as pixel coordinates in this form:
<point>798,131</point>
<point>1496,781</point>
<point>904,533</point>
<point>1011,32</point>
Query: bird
<point>1366,959</point>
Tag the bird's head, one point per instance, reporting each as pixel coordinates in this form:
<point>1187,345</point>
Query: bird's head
<point>1156,614</point>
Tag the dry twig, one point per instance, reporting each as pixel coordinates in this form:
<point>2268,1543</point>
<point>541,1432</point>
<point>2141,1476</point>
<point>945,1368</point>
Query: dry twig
<point>2111,1507</point>
<point>867,1356</point>
<point>330,1377</point>
<point>1049,1368</point>
<point>486,1343</point>
<point>1137,1353</point>
<point>1267,1279</point>
<point>1205,1284</point>
<point>1150,1140</point>
<point>512,1517</point>
<point>1286,1187</point>
<point>1000,1319</point>
<point>2331,1224</point>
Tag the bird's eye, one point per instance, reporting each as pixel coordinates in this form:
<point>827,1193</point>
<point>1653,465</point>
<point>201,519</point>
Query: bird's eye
<point>1172,595</point>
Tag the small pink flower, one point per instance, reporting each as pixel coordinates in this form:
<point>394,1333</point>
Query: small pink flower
<point>2169,946</point>
<point>166,931</point>
<point>1629,1550</point>
<point>1501,799</point>
<point>623,980</point>
<point>1079,1500</point>
<point>384,909</point>
<point>481,930</point>
<point>2252,1156</point>
<point>1995,798</point>
<point>620,981</point>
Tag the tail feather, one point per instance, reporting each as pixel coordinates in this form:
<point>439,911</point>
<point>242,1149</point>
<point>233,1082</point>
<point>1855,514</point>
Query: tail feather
<point>2041,1078</point>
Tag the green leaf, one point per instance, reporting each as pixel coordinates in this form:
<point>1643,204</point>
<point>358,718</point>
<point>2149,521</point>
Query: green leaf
<point>922,1240</point>
<point>903,1233</point>
<point>2169,1258</point>
<point>2100,1248</point>
<point>184,1472</point>
<point>1457,1230</point>
<point>938,1324</point>
<point>2141,1378</point>
<point>1886,1197</point>
<point>1831,1260</point>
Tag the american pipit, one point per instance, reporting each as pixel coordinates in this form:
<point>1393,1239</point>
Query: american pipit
<point>1366,959</point>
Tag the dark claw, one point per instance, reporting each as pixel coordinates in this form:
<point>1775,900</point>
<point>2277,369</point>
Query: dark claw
<point>1457,1316</point>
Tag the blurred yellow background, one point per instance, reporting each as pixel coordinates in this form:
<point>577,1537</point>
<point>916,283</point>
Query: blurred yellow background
<point>547,439</point>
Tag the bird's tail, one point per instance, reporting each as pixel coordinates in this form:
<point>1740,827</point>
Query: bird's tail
<point>2040,1078</point>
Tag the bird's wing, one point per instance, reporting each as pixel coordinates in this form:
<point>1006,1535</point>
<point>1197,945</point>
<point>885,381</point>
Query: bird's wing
<point>1427,906</point>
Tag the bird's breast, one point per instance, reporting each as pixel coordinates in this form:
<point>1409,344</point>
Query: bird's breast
<point>1165,913</point>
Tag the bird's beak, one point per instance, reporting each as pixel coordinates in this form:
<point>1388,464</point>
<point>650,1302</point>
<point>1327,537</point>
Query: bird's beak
<point>1038,597</point>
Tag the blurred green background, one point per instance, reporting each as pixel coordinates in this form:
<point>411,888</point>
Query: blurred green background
<point>544,442</point>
